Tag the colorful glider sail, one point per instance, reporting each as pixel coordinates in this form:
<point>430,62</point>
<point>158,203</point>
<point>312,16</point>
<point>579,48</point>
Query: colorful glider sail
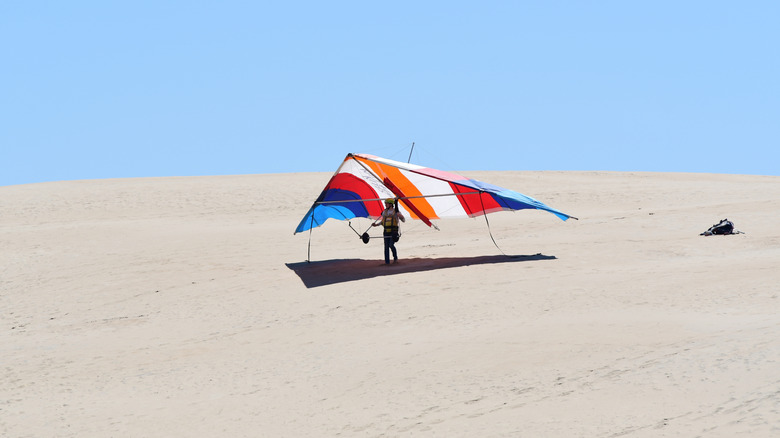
<point>362,182</point>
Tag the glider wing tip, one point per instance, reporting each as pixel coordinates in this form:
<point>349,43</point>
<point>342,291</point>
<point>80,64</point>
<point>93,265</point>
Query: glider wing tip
<point>563,216</point>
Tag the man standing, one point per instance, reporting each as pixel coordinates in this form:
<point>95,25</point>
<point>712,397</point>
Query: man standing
<point>389,220</point>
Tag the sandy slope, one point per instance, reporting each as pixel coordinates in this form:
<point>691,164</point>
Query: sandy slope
<point>184,307</point>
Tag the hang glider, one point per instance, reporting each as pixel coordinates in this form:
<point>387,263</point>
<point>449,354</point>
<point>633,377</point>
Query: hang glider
<point>362,183</point>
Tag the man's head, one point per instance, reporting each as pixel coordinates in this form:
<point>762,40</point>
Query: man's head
<point>389,202</point>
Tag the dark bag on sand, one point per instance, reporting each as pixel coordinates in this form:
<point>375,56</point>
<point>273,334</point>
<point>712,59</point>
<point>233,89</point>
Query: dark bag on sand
<point>723,227</point>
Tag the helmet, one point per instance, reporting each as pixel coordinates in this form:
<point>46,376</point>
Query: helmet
<point>389,201</point>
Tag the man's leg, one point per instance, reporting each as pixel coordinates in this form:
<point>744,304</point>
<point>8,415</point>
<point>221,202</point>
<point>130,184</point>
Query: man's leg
<point>388,244</point>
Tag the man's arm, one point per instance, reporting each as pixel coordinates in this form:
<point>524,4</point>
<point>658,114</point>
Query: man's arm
<point>378,220</point>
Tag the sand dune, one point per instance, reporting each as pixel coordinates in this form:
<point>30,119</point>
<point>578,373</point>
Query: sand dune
<point>185,307</point>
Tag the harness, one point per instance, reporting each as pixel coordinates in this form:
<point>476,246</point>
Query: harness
<point>390,223</point>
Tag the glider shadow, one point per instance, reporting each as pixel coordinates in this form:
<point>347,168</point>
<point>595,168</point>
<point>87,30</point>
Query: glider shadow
<point>326,272</point>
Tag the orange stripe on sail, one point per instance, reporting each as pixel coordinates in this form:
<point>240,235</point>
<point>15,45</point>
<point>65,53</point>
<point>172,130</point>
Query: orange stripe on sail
<point>407,187</point>
<point>393,188</point>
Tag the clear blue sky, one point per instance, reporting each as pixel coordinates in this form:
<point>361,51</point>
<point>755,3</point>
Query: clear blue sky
<point>106,89</point>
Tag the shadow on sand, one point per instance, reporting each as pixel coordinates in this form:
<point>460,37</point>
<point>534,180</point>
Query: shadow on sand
<point>325,272</point>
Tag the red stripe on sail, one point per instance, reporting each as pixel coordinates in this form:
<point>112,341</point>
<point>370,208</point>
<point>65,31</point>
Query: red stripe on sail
<point>398,193</point>
<point>475,204</point>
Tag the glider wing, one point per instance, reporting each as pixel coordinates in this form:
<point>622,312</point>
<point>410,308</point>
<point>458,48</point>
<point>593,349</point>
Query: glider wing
<point>362,182</point>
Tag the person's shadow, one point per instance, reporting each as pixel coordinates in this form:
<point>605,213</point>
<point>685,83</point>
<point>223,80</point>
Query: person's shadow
<point>325,272</point>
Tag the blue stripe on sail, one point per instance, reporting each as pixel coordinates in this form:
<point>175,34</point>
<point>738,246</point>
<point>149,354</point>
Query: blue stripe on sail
<point>318,214</point>
<point>358,208</point>
<point>519,201</point>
